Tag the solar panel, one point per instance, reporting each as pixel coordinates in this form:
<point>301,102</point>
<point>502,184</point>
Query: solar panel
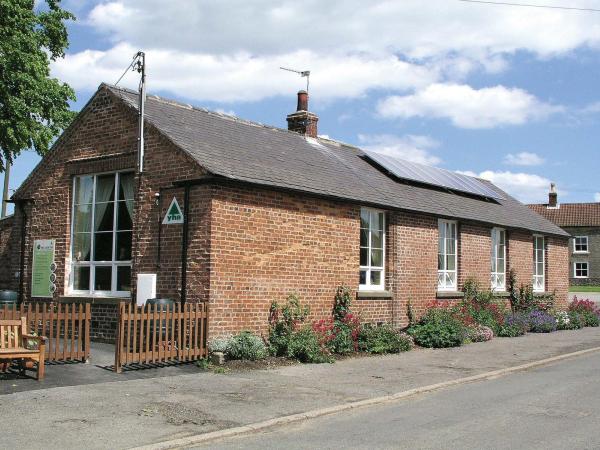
<point>432,175</point>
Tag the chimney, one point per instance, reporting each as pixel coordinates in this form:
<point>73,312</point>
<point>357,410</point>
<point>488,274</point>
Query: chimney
<point>552,196</point>
<point>302,121</point>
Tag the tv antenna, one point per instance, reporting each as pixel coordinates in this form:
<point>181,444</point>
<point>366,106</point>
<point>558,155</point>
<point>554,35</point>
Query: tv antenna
<point>302,73</point>
<point>138,64</point>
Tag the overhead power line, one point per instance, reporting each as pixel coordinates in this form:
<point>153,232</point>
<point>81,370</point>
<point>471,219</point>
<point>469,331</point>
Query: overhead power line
<point>529,5</point>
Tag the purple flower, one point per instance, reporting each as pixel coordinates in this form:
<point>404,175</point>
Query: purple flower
<point>541,322</point>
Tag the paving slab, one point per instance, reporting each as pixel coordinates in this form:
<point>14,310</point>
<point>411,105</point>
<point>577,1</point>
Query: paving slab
<point>123,414</point>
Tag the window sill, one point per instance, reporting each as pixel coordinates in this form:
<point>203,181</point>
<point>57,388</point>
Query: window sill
<point>501,294</point>
<point>374,294</point>
<point>93,300</point>
<point>449,294</point>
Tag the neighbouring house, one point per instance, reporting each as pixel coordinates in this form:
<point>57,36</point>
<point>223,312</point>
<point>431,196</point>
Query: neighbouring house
<point>239,214</point>
<point>582,222</point>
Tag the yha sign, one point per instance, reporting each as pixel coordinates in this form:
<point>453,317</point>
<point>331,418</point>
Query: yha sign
<point>174,214</point>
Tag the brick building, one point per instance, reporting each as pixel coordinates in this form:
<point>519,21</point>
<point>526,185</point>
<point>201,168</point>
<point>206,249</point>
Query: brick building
<point>266,212</point>
<point>582,222</point>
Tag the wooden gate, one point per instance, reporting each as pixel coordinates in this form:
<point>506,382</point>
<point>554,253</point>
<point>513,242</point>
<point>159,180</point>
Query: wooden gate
<point>152,334</point>
<point>67,327</point>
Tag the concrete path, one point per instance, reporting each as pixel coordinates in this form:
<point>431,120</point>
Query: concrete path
<point>553,407</point>
<point>99,369</point>
<point>130,413</point>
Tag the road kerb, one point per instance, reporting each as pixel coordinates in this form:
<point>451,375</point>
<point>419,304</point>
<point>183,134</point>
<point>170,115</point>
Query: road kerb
<point>270,423</point>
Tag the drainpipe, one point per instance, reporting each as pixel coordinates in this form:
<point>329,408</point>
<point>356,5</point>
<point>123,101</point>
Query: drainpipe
<point>184,241</point>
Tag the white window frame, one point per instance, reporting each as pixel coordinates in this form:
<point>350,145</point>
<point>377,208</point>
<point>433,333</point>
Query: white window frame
<point>368,286</point>
<point>498,277</point>
<point>587,269</point>
<point>539,280</point>
<point>447,279</point>
<point>587,248</point>
<point>114,264</point>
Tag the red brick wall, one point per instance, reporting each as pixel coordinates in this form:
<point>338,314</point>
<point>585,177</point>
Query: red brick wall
<point>557,269</point>
<point>474,254</point>
<point>267,245</point>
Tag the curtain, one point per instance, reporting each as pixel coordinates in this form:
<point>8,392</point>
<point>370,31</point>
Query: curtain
<point>127,187</point>
<point>104,191</point>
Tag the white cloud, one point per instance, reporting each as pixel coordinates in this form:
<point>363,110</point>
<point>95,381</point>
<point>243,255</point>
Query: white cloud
<point>231,51</point>
<point>416,28</point>
<point>467,107</point>
<point>597,197</point>
<point>241,76</point>
<point>526,187</point>
<point>524,159</point>
<point>410,147</point>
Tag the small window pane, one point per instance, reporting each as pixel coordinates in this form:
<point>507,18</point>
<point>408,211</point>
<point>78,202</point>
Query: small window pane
<point>82,246</point>
<point>81,278</point>
<point>123,278</point>
<point>103,278</point>
<point>83,218</point>
<point>105,188</point>
<point>103,245</point>
<point>125,218</point>
<point>364,237</point>
<point>450,262</point>
<point>126,186</point>
<point>83,190</point>
<point>450,246</point>
<point>376,258</point>
<point>123,252</point>
<point>376,221</point>
<point>363,277</point>
<point>103,217</point>
<point>440,262</point>
<point>364,218</point>
<point>375,277</point>
<point>364,256</point>
<point>377,239</point>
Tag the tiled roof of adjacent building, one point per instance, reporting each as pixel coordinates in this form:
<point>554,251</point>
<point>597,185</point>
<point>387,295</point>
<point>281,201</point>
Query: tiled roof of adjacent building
<point>251,152</point>
<point>571,214</point>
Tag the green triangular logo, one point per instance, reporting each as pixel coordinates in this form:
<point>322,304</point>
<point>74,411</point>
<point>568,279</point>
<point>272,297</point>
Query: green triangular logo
<point>174,214</point>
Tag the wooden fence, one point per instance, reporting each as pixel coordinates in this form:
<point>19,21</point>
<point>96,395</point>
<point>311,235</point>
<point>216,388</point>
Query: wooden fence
<point>67,327</point>
<point>152,334</point>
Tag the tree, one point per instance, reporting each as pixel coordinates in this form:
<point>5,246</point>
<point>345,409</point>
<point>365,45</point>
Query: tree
<point>34,107</point>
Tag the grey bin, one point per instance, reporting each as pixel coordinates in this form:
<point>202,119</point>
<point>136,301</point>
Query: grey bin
<point>163,304</point>
<point>8,299</point>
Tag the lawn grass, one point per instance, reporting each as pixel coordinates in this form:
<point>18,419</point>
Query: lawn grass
<point>584,289</point>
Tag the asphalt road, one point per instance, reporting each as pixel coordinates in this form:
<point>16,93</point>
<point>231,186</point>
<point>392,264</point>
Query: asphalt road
<point>553,407</point>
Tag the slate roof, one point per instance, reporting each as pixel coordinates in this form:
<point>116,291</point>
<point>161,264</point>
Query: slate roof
<point>571,214</point>
<point>269,156</point>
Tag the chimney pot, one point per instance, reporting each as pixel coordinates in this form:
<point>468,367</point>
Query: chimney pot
<point>301,121</point>
<point>302,101</point>
<point>552,196</point>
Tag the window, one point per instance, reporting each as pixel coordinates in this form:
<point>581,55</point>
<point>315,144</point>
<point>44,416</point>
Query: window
<point>372,249</point>
<point>539,263</point>
<point>498,259</point>
<point>101,234</point>
<point>580,244</point>
<point>581,269</point>
<point>447,255</point>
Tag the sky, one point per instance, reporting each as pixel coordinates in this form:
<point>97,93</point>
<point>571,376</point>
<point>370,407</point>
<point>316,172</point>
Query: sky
<point>507,93</point>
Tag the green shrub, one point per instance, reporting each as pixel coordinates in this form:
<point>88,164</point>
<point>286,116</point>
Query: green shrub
<point>576,320</point>
<point>514,324</point>
<point>246,345</point>
<point>383,339</point>
<point>283,322</point>
<point>438,328</point>
<point>304,346</point>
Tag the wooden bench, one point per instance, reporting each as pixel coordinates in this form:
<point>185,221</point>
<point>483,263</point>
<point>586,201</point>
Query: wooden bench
<point>14,342</point>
